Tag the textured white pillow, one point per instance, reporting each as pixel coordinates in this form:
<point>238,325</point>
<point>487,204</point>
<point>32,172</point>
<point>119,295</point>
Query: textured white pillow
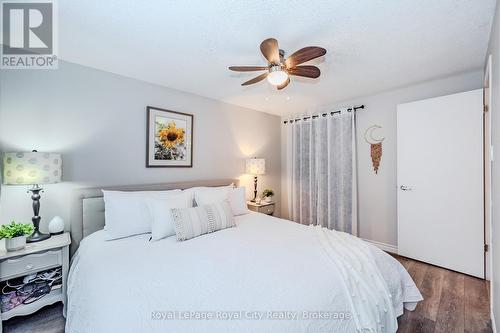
<point>126,213</point>
<point>162,224</point>
<point>196,221</point>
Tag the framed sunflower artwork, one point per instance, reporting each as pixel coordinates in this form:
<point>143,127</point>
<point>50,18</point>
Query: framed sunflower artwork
<point>169,141</point>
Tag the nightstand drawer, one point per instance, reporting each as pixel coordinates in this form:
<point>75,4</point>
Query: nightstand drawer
<point>30,263</point>
<point>269,209</point>
<point>264,208</point>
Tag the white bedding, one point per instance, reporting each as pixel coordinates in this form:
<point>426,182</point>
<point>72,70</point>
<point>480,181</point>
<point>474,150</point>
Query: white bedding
<point>311,279</point>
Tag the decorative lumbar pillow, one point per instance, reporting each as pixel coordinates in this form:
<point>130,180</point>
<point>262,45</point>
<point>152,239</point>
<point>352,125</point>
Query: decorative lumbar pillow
<point>196,221</point>
<point>126,213</point>
<point>162,224</point>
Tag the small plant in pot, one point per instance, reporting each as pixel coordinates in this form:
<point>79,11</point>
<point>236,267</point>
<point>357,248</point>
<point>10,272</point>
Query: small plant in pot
<point>15,235</point>
<point>267,194</point>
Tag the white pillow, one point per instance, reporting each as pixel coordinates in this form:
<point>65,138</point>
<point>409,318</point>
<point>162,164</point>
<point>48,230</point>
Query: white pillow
<point>126,213</point>
<point>191,191</point>
<point>236,198</point>
<point>208,196</point>
<point>196,221</point>
<point>238,202</point>
<point>162,224</point>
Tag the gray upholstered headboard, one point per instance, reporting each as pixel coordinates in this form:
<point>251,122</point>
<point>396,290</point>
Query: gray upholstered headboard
<point>87,205</point>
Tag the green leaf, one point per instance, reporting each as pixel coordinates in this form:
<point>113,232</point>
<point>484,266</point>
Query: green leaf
<point>267,193</point>
<point>15,230</point>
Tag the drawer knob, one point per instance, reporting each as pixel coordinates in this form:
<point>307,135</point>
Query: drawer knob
<point>29,267</point>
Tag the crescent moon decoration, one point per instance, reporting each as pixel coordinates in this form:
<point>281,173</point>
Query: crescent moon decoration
<point>375,146</point>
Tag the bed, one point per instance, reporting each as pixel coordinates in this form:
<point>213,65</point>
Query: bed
<point>264,275</point>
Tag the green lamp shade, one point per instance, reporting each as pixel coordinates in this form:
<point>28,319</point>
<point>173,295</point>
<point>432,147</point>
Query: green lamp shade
<point>31,168</point>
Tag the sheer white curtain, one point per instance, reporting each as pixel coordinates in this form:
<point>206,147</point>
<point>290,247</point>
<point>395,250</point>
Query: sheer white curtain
<point>321,171</point>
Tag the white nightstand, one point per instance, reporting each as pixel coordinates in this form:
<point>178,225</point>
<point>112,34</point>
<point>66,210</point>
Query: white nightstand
<point>37,257</point>
<point>263,207</point>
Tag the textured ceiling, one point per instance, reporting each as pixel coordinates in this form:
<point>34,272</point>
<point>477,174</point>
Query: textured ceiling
<point>373,45</point>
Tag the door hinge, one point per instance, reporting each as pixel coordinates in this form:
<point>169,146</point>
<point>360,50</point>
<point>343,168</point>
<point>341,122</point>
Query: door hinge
<point>486,247</point>
<point>485,108</point>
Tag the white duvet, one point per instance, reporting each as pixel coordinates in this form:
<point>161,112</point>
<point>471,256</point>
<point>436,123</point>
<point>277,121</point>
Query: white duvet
<point>264,275</point>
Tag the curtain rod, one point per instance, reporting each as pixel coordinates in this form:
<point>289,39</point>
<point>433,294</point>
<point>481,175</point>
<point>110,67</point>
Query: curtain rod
<point>356,108</point>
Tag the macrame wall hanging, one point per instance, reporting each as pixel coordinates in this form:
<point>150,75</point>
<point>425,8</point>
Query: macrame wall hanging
<point>375,146</point>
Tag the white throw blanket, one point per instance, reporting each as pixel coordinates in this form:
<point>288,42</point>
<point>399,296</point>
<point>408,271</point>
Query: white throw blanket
<point>370,297</point>
<point>264,275</point>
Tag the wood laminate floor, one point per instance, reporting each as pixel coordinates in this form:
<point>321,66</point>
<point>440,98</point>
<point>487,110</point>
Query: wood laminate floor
<point>453,302</point>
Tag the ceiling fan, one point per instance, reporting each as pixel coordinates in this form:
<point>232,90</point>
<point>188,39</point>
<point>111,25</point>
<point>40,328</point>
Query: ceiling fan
<point>279,69</point>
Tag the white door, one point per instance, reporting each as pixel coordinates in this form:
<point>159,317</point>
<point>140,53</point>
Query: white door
<point>440,181</point>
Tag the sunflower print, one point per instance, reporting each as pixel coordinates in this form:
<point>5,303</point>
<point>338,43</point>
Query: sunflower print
<point>171,136</point>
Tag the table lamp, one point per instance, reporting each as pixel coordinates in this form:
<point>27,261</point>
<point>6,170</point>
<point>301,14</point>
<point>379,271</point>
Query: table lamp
<point>32,168</point>
<point>255,167</point>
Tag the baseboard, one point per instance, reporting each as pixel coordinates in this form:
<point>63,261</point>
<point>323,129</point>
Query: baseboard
<point>383,246</point>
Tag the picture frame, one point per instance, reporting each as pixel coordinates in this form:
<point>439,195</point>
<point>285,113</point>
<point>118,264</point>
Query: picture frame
<point>169,138</point>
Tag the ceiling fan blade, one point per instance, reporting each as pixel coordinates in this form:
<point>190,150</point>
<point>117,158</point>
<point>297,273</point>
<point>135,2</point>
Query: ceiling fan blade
<point>282,86</point>
<point>303,55</point>
<point>305,71</point>
<point>270,50</point>
<point>255,79</point>
<point>247,68</point>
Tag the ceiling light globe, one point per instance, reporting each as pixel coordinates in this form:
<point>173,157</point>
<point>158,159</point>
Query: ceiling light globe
<point>277,77</point>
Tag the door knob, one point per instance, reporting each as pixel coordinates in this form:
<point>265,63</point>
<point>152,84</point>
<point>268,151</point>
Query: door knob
<point>405,188</point>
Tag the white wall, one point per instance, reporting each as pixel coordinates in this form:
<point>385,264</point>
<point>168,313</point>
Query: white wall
<point>377,193</point>
<point>97,120</point>
<point>494,50</point>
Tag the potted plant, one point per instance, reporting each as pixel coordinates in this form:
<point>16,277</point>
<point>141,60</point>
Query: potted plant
<point>15,235</point>
<point>267,194</point>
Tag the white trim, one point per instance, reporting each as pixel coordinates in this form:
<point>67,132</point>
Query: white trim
<point>383,246</point>
<point>493,325</point>
<point>488,80</point>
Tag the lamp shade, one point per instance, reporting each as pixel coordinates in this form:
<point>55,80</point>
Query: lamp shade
<point>31,168</point>
<point>256,166</point>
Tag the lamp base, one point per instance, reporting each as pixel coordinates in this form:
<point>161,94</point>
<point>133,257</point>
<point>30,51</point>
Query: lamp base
<point>37,236</point>
<point>255,189</point>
